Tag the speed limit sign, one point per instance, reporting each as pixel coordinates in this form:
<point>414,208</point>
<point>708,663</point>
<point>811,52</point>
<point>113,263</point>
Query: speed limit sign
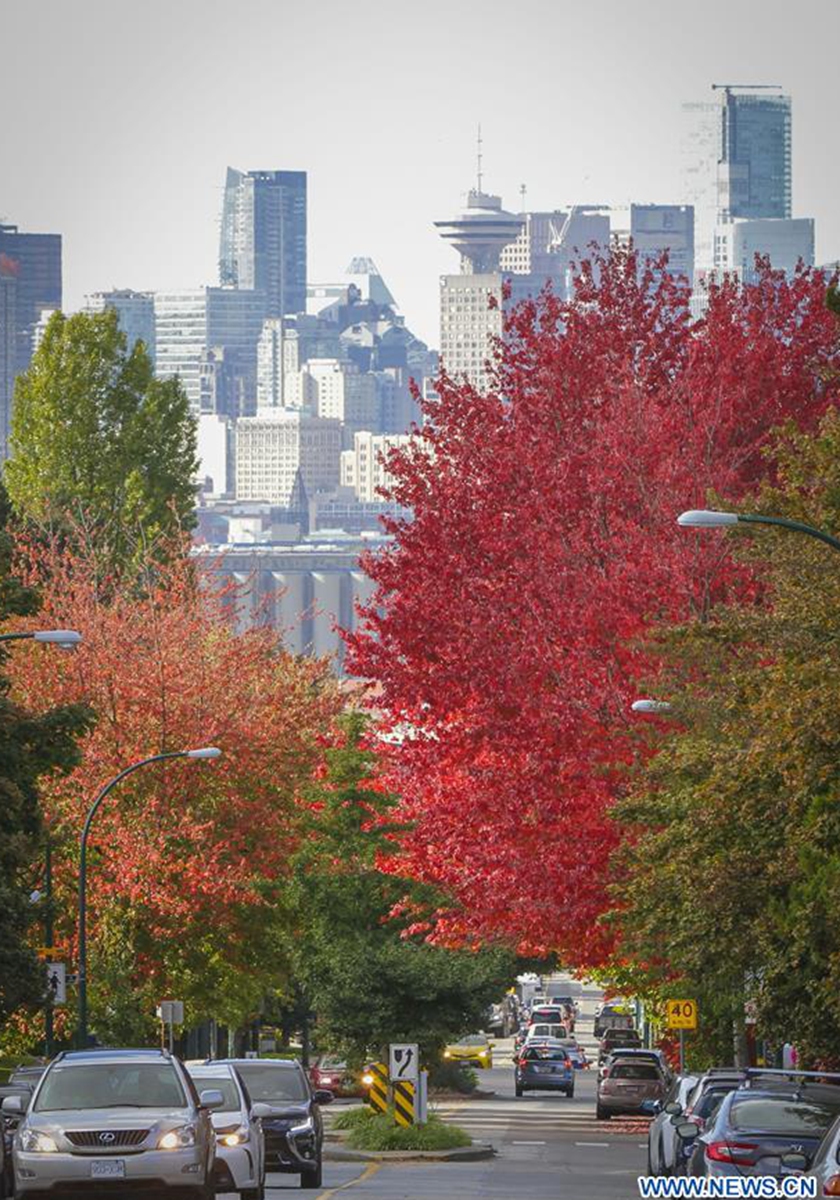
<point>681,1014</point>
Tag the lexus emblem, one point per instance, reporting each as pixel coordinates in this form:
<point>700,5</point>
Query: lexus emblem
<point>107,1138</point>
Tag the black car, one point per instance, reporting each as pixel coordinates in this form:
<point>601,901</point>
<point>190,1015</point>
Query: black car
<point>760,1123</point>
<point>294,1133</point>
<point>613,1038</point>
<point>9,1124</point>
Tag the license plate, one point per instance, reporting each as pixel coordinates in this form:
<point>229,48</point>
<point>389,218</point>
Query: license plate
<point>107,1168</point>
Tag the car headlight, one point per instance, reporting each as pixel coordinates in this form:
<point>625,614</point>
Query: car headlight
<point>233,1135</point>
<point>34,1142</point>
<point>177,1139</point>
<point>447,1054</point>
<point>368,1079</point>
<point>308,1126</point>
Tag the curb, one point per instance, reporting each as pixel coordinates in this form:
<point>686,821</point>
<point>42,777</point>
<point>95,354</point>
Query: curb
<point>474,1153</point>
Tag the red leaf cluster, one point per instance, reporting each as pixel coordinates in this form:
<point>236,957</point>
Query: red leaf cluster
<point>504,634</point>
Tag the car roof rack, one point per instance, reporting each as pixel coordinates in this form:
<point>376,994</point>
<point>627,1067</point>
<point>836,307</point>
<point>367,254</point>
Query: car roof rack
<point>792,1074</point>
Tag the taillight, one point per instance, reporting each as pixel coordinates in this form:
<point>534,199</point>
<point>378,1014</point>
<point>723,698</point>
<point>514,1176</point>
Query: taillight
<point>831,1187</point>
<point>732,1152</point>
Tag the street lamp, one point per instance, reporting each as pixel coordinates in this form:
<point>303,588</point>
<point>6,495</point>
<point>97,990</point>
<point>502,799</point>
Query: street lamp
<point>65,639</point>
<point>710,519</point>
<point>650,706</point>
<point>204,753</point>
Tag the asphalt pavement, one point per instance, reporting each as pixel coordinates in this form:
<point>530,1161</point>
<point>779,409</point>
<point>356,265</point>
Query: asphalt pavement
<point>548,1147</point>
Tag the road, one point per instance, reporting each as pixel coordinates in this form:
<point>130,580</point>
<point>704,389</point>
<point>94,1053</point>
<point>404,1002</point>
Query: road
<point>548,1148</point>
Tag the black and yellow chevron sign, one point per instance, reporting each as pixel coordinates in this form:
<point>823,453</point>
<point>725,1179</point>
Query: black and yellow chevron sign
<point>404,1093</point>
<point>378,1094</point>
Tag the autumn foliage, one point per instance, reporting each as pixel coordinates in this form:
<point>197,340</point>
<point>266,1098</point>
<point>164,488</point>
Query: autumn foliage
<point>505,632</point>
<point>185,856</point>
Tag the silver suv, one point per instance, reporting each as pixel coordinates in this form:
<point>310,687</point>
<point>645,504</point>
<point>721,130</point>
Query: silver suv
<point>115,1121</point>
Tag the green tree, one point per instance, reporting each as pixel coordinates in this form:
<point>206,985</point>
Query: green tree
<point>728,884</point>
<point>31,747</point>
<point>358,949</point>
<point>97,439</point>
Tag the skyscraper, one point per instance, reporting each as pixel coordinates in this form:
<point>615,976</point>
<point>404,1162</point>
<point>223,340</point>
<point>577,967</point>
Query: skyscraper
<point>263,238</point>
<point>655,229</point>
<point>736,161</point>
<point>8,326</point>
<point>35,260</point>
<point>135,313</point>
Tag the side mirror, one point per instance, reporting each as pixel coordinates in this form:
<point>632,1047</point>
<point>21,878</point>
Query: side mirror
<point>687,1131</point>
<point>260,1111</point>
<point>322,1096</point>
<point>14,1105</point>
<point>212,1098</point>
<point>673,1110</point>
<point>794,1162</point>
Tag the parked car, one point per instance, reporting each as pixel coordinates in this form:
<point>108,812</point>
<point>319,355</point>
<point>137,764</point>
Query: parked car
<point>825,1167</point>
<point>615,1038</point>
<point>10,1123</point>
<point>665,1149</point>
<point>29,1075</point>
<point>626,1087</point>
<point>759,1124</point>
<point>542,1066</point>
<point>240,1141</point>
<point>294,1130</point>
<point>118,1120</point>
<point>475,1049</point>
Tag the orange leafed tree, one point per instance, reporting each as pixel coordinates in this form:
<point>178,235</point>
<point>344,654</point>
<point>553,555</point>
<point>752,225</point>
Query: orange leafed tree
<point>187,857</point>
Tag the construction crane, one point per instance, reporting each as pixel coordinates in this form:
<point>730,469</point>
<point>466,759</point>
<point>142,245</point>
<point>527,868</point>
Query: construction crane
<point>746,87</point>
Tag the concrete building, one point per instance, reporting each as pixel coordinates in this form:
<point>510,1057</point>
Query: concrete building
<point>216,454</point>
<point>135,314</point>
<point>549,243</point>
<point>35,261</point>
<point>345,395</point>
<point>656,228</point>
<point>785,242</point>
<point>8,350</point>
<point>190,323</point>
<point>270,450</point>
<point>302,591</point>
<point>263,237</point>
<point>736,161</point>
<point>362,468</point>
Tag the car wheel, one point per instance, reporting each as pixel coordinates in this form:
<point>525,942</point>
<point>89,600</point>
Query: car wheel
<point>312,1179</point>
<point>519,1090</point>
<point>570,1092</point>
<point>601,1114</point>
<point>257,1193</point>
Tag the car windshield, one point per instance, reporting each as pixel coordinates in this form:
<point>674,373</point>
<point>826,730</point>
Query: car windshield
<point>777,1114</point>
<point>474,1039</point>
<point>627,1070</point>
<point>111,1085</point>
<point>270,1084</point>
<point>541,1030</point>
<point>219,1083</point>
<point>331,1064</point>
<point>546,1053</point>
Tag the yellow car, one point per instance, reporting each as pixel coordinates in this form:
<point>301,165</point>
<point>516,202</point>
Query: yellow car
<point>475,1050</point>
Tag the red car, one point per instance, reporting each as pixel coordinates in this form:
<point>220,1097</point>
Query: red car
<point>329,1073</point>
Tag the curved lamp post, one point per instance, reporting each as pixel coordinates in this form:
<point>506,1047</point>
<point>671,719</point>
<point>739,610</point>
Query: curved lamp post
<point>703,518</point>
<point>205,752</point>
<point>65,639</point>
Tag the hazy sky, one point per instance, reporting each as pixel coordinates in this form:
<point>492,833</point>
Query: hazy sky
<point>119,118</point>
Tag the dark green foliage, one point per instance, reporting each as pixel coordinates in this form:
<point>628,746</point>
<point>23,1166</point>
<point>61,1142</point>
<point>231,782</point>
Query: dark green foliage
<point>366,978</point>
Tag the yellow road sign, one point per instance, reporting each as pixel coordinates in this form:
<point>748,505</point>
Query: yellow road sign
<point>681,1014</point>
<point>404,1103</point>
<point>378,1093</point>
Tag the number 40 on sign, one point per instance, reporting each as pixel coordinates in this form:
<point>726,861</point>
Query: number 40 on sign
<point>681,1014</point>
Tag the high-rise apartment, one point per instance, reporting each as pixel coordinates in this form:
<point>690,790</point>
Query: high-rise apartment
<point>188,324</point>
<point>8,329</point>
<point>135,314</point>
<point>263,237</point>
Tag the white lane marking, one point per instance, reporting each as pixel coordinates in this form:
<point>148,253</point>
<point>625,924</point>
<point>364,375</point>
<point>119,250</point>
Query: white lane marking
<point>528,1143</point>
<point>600,1145</point>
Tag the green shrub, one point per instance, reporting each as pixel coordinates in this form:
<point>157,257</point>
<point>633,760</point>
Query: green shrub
<point>354,1118</point>
<point>453,1077</point>
<point>379,1132</point>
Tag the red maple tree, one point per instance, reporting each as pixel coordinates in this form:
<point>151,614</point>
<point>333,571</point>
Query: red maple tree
<point>504,633</point>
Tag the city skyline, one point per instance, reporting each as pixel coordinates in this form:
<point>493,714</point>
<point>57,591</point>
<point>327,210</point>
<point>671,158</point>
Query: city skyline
<point>140,196</point>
